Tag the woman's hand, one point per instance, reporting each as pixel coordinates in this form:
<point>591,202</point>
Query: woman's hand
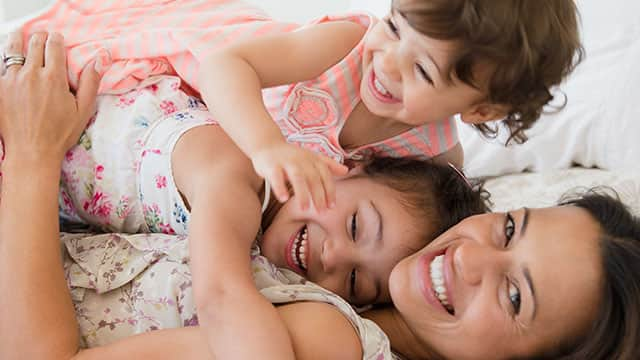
<point>40,119</point>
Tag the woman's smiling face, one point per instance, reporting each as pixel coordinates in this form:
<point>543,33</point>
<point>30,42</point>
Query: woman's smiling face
<point>501,285</point>
<point>351,248</point>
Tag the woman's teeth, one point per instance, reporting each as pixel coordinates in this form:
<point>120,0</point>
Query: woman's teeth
<point>437,281</point>
<point>381,89</point>
<point>299,249</point>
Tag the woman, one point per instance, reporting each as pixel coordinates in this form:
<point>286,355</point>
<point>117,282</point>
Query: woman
<point>490,268</point>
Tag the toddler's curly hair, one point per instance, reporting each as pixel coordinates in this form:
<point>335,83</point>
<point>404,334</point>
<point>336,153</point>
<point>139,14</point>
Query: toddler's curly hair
<point>531,44</point>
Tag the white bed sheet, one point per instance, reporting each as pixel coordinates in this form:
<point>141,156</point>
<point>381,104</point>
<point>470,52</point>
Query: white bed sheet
<point>545,188</point>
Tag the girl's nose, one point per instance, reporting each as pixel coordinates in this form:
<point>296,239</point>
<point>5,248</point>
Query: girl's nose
<point>390,63</point>
<point>336,255</point>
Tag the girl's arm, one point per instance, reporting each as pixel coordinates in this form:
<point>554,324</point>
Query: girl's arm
<point>318,331</point>
<point>222,191</point>
<point>39,120</point>
<point>232,80</point>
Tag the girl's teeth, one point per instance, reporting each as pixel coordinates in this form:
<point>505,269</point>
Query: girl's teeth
<point>380,87</point>
<point>298,251</point>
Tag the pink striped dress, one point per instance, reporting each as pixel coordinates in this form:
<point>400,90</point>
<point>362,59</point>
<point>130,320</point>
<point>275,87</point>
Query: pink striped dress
<point>131,40</point>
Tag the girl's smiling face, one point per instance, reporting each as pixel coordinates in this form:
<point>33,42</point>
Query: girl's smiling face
<point>406,77</point>
<point>502,285</point>
<point>351,248</point>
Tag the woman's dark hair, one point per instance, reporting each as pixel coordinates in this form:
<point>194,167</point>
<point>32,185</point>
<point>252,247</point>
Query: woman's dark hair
<point>438,196</point>
<point>532,45</point>
<point>615,333</point>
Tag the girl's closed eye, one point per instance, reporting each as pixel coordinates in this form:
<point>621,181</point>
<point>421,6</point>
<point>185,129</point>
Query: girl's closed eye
<point>353,276</point>
<point>392,27</point>
<point>424,74</point>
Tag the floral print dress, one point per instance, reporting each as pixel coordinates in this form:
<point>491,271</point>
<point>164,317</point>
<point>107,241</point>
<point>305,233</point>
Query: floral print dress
<point>118,178</point>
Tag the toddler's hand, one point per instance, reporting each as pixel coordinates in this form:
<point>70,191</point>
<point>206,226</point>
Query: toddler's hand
<point>310,174</point>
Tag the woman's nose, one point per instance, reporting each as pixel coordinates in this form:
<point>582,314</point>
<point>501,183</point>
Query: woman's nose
<point>473,261</point>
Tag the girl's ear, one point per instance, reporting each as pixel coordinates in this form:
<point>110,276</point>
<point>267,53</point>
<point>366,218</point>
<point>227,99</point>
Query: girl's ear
<point>484,112</point>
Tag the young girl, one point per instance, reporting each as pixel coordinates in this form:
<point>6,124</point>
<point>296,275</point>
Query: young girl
<point>149,162</point>
<point>343,86</point>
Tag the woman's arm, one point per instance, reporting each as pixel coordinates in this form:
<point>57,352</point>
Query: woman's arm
<point>39,120</point>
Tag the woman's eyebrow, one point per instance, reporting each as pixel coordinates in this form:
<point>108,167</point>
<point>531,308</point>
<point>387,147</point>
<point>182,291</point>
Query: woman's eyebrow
<point>379,241</point>
<point>525,269</point>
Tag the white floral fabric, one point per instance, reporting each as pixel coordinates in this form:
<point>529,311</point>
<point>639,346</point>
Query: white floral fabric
<point>123,285</point>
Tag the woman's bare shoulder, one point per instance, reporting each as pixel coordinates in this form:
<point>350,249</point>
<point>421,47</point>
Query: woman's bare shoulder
<point>320,331</point>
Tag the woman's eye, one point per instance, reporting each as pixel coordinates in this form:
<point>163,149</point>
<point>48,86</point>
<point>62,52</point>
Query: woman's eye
<point>354,225</point>
<point>423,73</point>
<point>514,298</point>
<point>353,278</point>
<point>509,229</point>
<point>392,27</point>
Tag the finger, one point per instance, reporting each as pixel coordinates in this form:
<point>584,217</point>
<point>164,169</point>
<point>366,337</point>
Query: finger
<point>317,190</point>
<point>328,183</point>
<point>14,48</point>
<point>334,167</point>
<point>54,56</point>
<point>35,53</point>
<point>279,185</point>
<point>300,187</point>
<point>87,90</point>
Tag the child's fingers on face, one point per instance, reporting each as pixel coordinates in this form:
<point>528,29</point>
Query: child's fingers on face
<point>300,187</point>
<point>278,185</point>
<point>335,167</point>
<point>328,184</point>
<point>317,187</point>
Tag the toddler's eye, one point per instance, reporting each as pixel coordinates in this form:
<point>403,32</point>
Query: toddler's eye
<point>392,27</point>
<point>423,73</point>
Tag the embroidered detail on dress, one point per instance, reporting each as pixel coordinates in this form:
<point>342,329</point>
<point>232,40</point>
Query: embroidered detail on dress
<point>310,111</point>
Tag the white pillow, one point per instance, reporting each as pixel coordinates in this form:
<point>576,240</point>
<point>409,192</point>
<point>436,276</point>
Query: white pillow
<point>378,8</point>
<point>600,125</point>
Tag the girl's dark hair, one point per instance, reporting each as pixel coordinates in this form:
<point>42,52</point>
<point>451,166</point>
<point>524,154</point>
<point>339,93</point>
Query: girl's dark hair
<point>439,196</point>
<point>532,45</point>
<point>615,333</point>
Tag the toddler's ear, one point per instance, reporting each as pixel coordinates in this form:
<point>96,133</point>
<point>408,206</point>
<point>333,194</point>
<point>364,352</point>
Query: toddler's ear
<point>484,112</point>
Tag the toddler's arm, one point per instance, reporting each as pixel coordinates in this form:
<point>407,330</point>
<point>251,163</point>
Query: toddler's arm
<point>231,85</point>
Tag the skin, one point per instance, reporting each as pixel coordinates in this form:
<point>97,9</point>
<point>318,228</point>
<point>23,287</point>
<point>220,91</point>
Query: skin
<point>485,280</point>
<point>336,257</point>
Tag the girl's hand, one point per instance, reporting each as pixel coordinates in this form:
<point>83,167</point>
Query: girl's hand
<point>40,119</point>
<point>309,174</point>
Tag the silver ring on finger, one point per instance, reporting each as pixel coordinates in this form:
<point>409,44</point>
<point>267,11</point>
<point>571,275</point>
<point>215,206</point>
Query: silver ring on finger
<point>14,60</point>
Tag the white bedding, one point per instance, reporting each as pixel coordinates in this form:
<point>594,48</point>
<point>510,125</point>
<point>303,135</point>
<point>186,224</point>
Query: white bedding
<point>545,188</point>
